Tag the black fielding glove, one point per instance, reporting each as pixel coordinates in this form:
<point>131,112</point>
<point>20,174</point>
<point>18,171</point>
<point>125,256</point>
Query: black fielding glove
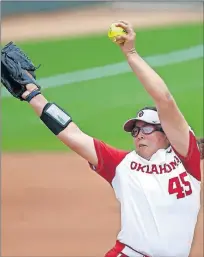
<point>17,70</point>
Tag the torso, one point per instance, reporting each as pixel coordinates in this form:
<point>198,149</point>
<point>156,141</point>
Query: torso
<point>159,204</point>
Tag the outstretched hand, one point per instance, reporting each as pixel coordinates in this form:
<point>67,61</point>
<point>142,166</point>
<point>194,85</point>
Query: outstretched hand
<point>17,71</point>
<point>128,45</point>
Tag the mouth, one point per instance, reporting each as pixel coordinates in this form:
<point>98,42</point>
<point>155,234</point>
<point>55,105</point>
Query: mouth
<point>142,145</point>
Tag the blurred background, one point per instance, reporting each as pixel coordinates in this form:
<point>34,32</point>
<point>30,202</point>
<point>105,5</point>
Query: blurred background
<point>52,203</point>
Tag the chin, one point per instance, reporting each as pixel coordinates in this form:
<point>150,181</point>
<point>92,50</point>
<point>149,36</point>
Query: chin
<point>144,154</point>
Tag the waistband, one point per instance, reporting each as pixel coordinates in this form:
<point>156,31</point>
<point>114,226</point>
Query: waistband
<point>129,251</point>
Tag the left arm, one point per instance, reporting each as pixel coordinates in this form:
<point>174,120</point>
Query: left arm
<point>173,122</point>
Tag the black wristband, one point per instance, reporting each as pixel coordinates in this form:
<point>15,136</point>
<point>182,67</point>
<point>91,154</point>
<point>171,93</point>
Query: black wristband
<point>31,95</point>
<point>55,118</point>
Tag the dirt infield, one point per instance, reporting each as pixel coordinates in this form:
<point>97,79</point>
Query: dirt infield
<point>53,204</point>
<point>88,21</point>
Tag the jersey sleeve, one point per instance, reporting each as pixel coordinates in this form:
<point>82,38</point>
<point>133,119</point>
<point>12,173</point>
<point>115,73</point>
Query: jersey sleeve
<point>192,161</point>
<point>108,159</point>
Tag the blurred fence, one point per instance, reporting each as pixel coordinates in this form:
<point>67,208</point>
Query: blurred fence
<point>162,4</point>
<point>9,8</point>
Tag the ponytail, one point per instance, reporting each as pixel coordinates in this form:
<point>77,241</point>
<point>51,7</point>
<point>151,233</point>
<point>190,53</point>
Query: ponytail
<point>200,142</point>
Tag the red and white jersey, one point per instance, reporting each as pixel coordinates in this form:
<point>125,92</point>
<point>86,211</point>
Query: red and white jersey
<point>160,197</point>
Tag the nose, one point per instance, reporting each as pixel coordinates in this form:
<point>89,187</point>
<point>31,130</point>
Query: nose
<point>140,135</point>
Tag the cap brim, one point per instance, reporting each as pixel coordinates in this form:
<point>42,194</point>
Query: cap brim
<point>129,124</point>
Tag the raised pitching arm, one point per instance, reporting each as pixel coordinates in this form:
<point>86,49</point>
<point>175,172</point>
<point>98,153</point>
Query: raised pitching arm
<point>173,122</point>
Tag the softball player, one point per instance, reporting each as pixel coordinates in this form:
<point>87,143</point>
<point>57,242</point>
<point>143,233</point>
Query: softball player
<point>157,184</point>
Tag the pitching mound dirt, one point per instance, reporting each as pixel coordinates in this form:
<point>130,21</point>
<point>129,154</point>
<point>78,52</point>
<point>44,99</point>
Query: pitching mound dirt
<point>82,22</point>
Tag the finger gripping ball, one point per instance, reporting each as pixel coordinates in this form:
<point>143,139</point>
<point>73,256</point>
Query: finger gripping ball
<point>114,31</point>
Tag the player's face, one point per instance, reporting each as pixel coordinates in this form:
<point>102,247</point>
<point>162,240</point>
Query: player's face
<point>148,139</point>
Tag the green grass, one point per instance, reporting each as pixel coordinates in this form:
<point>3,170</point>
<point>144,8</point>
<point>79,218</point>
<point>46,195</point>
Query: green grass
<point>101,106</point>
<point>63,55</point>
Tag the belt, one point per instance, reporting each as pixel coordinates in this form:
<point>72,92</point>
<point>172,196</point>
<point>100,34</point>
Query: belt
<point>129,251</point>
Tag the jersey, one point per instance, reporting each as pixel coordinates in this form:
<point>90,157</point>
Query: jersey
<point>159,198</point>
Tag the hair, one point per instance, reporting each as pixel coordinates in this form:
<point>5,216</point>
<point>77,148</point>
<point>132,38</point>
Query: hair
<point>200,142</point>
<point>153,108</point>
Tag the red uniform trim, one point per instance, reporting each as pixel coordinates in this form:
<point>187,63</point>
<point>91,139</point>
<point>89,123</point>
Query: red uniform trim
<point>108,159</point>
<point>117,251</point>
<point>191,162</point>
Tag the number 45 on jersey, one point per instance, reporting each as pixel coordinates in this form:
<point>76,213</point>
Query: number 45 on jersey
<point>180,186</point>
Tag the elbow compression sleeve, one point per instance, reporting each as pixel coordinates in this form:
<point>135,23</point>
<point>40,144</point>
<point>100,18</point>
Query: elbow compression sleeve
<point>55,118</point>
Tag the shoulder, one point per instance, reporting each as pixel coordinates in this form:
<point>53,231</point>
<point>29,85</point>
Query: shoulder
<point>191,162</point>
<point>109,158</point>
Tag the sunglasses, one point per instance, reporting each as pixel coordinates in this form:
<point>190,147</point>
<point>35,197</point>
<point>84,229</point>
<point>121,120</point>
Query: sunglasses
<point>146,130</point>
